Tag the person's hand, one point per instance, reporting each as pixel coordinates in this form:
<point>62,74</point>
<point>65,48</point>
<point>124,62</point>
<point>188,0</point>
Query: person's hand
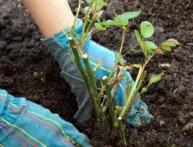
<point>24,123</point>
<point>58,45</point>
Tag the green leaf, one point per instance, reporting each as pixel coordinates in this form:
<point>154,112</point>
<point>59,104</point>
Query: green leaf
<point>138,36</point>
<point>146,29</point>
<point>122,19</point>
<point>166,48</point>
<point>155,78</point>
<point>99,27</point>
<point>98,4</point>
<point>108,22</point>
<point>143,90</point>
<point>168,44</point>
<point>159,51</point>
<point>129,15</point>
<point>147,47</point>
<point>144,48</point>
<point>171,42</point>
<point>151,45</point>
<point>119,20</point>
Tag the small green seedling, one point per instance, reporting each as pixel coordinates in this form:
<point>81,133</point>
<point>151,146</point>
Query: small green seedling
<point>148,47</point>
<point>108,113</point>
<point>118,21</point>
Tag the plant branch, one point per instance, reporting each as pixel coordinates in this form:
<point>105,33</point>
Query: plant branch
<point>94,93</point>
<point>86,19</point>
<point>91,77</point>
<point>122,134</point>
<point>110,102</point>
<point>77,12</point>
<point>92,21</point>
<point>122,41</point>
<point>133,92</point>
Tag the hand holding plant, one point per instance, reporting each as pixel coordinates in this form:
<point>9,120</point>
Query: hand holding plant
<point>100,75</point>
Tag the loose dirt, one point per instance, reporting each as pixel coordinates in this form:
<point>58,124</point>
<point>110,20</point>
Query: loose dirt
<point>27,69</point>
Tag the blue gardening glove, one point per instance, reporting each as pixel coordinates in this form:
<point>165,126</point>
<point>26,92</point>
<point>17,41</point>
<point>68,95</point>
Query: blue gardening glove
<point>59,45</point>
<point>26,124</point>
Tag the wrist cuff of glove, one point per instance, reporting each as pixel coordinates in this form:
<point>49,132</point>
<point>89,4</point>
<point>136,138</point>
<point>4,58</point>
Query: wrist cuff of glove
<point>61,37</point>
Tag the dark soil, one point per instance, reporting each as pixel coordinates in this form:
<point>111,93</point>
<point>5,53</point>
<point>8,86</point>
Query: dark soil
<point>27,69</point>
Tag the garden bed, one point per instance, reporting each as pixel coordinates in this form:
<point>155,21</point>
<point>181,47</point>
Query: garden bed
<point>27,69</point>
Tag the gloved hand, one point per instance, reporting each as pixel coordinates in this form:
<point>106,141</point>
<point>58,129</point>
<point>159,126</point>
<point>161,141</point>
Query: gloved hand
<point>59,45</point>
<point>24,123</point>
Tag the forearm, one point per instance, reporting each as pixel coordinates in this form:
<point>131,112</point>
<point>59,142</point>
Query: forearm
<point>51,16</point>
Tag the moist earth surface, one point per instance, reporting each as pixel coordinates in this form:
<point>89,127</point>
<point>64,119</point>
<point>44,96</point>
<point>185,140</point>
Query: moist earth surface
<point>27,69</point>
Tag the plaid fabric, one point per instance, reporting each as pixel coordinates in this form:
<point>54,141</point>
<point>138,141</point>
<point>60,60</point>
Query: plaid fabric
<point>24,124</point>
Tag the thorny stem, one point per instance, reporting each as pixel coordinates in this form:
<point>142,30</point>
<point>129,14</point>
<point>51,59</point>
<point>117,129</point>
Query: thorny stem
<point>86,19</point>
<point>93,87</point>
<point>92,21</point>
<point>77,12</point>
<point>94,93</point>
<point>84,74</point>
<point>78,61</point>
<point>122,41</point>
<point>113,70</point>
<point>88,75</point>
<point>122,134</point>
<point>117,125</point>
<point>133,92</point>
<point>88,29</point>
<point>141,81</point>
<point>110,102</point>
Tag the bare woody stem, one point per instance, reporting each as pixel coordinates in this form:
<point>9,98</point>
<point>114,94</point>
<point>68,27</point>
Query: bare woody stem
<point>87,16</point>
<point>122,41</point>
<point>77,13</point>
<point>78,61</point>
<point>88,74</point>
<point>93,87</point>
<point>116,124</point>
<point>133,92</point>
<point>110,102</point>
<point>131,95</point>
<point>122,134</point>
<point>94,93</point>
<point>91,22</point>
